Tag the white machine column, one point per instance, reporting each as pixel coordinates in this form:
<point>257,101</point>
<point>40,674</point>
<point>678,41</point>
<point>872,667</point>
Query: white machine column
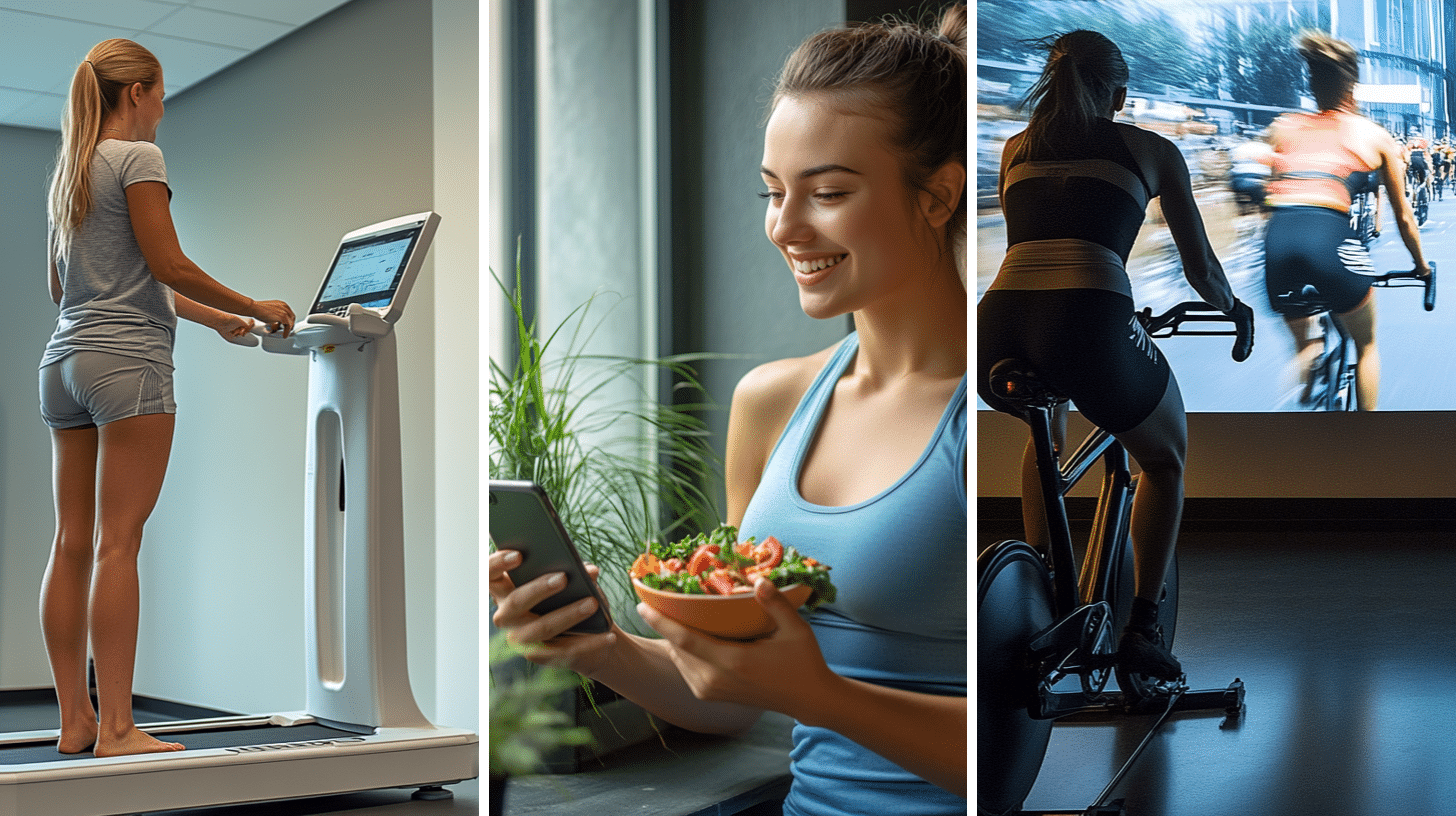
<point>354,574</point>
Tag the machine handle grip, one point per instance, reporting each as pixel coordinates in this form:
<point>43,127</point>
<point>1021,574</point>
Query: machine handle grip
<point>250,338</point>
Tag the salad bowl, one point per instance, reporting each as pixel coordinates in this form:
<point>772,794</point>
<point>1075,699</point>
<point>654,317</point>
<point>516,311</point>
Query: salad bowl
<point>732,617</point>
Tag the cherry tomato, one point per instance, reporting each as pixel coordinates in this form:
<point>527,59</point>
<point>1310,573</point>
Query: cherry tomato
<point>703,558</point>
<point>769,553</point>
<point>718,582</point>
<point>645,564</point>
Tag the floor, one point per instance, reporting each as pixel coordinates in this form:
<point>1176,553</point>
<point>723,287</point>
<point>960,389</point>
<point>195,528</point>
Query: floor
<point>1346,641</point>
<point>467,801</point>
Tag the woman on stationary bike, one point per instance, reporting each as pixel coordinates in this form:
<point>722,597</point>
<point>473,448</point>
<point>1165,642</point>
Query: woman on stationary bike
<point>1317,156</point>
<point>1074,187</point>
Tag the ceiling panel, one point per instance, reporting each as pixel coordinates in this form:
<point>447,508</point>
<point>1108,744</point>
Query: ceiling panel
<point>292,12</point>
<point>221,28</point>
<point>42,42</point>
<point>130,14</point>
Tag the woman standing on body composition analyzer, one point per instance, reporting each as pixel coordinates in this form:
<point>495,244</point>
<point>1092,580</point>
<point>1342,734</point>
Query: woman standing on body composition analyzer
<point>847,454</point>
<point>121,281</point>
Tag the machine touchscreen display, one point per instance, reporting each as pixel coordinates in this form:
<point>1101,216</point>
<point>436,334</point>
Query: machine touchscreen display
<point>367,271</point>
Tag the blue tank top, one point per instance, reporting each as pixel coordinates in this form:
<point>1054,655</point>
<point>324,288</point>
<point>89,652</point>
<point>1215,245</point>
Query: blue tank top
<point>900,627</point>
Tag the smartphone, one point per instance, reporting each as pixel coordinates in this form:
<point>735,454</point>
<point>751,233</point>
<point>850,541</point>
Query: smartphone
<point>523,519</point>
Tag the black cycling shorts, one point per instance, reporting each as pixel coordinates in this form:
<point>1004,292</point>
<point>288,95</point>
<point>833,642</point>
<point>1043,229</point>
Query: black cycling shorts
<point>1417,167</point>
<point>1315,246</point>
<point>1085,343</point>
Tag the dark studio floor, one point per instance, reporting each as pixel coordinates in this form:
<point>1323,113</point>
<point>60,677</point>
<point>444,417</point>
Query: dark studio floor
<point>1344,633</point>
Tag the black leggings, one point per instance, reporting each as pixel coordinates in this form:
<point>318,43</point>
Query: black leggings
<point>1314,246</point>
<point>1085,343</point>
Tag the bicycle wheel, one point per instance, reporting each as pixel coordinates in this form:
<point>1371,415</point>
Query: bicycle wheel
<point>1015,603</point>
<point>1343,394</point>
<point>1422,207</point>
<point>1331,375</point>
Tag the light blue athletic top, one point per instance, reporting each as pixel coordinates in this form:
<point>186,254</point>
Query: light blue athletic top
<point>898,561</point>
<point>111,302</point>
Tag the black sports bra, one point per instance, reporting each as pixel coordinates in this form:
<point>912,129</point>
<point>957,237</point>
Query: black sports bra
<point>1091,189</point>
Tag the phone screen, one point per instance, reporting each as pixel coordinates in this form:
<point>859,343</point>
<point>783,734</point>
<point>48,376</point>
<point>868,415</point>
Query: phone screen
<point>522,518</point>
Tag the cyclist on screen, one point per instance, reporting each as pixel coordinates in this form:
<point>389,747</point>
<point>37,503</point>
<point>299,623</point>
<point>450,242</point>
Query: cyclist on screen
<point>1440,165</point>
<point>1416,160</point>
<point>1309,240</point>
<point>1249,173</point>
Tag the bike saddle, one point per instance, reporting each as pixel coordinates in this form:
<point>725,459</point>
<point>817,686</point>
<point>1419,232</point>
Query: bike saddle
<point>1307,302</point>
<point>1018,383</point>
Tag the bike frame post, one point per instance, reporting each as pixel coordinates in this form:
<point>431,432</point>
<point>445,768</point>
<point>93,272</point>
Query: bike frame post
<point>1108,526</point>
<point>1059,529</point>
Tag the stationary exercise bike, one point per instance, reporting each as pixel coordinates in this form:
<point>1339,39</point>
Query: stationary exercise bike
<point>1043,628</point>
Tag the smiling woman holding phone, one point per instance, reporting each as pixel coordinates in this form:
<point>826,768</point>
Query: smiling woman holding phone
<point>843,454</point>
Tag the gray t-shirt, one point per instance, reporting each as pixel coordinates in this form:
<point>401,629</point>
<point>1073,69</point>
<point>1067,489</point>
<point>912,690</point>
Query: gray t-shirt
<point>110,300</point>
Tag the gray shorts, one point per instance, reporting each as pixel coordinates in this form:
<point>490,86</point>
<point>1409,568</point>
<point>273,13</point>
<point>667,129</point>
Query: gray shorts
<point>94,387</point>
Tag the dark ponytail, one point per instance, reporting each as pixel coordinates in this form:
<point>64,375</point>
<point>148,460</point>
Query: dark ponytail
<point>1083,72</point>
<point>1334,68</point>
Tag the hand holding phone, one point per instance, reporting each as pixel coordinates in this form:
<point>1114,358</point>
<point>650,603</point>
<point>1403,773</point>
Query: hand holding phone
<point>522,518</point>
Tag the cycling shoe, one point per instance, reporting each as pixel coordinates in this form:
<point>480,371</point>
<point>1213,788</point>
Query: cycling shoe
<point>1142,651</point>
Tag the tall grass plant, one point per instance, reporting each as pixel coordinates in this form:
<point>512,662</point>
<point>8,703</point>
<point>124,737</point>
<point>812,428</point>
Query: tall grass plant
<point>620,472</point>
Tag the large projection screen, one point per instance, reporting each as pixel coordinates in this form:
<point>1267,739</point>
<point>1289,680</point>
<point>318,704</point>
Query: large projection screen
<point>1211,76</point>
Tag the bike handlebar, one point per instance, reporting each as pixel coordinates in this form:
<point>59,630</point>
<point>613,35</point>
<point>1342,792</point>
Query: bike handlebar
<point>1172,322</point>
<point>1428,281</point>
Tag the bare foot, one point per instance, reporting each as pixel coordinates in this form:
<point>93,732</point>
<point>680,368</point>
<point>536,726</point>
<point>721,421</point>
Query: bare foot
<point>133,742</point>
<point>77,740</point>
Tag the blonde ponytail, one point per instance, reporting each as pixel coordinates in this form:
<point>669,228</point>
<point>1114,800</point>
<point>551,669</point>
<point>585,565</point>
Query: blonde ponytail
<point>96,89</point>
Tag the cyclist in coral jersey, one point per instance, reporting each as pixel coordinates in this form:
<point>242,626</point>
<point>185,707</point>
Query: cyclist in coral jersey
<point>1317,159</point>
<point>1417,160</point>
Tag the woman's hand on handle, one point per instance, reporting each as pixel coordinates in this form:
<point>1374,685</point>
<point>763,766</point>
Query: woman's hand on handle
<point>275,314</point>
<point>232,326</point>
<point>1243,316</point>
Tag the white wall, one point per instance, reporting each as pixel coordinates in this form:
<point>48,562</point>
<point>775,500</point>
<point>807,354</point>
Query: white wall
<point>457,363</point>
<point>331,128</point>
<point>27,317</point>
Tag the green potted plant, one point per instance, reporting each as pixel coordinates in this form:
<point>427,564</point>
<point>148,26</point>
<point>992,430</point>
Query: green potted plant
<point>620,474</point>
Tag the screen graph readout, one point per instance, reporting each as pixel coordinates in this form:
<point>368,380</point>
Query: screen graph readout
<point>366,269</point>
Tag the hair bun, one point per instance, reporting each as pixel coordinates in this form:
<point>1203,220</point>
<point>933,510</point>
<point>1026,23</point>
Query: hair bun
<point>953,25</point>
